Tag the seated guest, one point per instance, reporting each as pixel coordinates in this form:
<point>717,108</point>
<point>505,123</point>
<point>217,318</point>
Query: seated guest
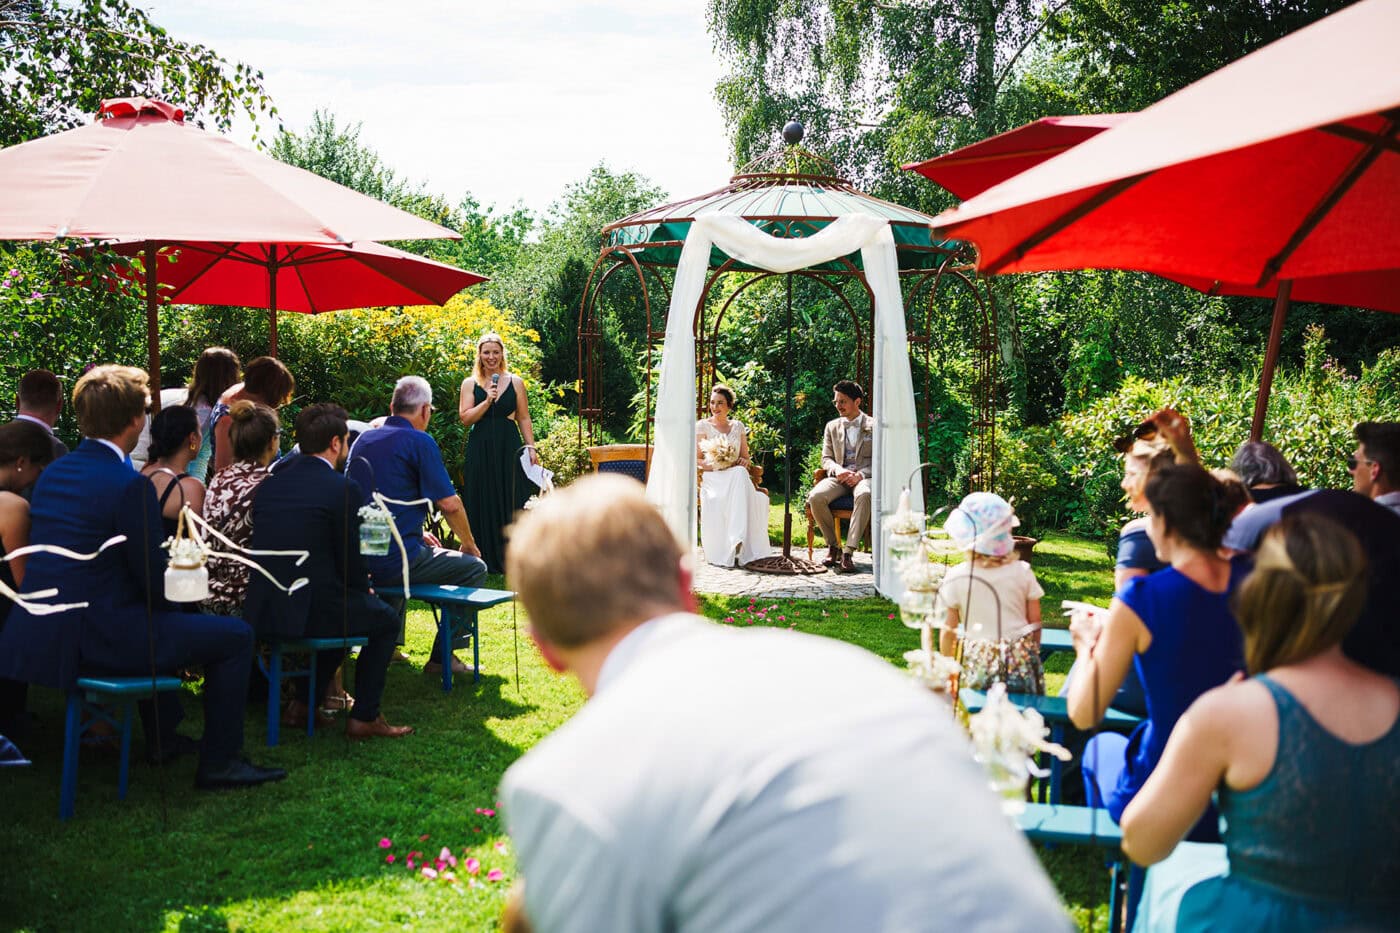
<point>847,451</point>
<point>1375,466</point>
<point>25,450</point>
<point>1264,471</point>
<point>715,781</point>
<point>215,371</point>
<point>1373,640</point>
<point>174,443</point>
<point>1301,757</point>
<point>265,380</point>
<point>311,506</point>
<point>402,461</point>
<point>254,432</point>
<point>40,402</point>
<point>80,502</point>
<point>1174,626</point>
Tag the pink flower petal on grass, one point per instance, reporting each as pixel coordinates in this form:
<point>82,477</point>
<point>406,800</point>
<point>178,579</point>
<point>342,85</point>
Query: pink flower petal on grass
<point>428,872</point>
<point>410,864</point>
<point>495,874</point>
<point>488,812</point>
<point>423,838</point>
<point>389,859</point>
<point>471,866</point>
<point>386,843</point>
<point>445,854</point>
<point>501,846</point>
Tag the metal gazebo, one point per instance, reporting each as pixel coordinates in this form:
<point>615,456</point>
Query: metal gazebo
<point>789,192</point>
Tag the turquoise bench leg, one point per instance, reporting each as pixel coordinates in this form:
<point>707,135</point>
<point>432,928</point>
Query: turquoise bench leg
<point>313,703</point>
<point>123,769</point>
<point>274,696</point>
<point>453,619</point>
<point>72,726</point>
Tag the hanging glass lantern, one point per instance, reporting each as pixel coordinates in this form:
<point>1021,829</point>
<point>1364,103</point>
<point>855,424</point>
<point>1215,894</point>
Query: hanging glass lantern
<point>186,576</point>
<point>903,530</point>
<point>374,531</point>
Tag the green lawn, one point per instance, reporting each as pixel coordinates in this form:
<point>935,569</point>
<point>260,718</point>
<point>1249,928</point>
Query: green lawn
<point>305,854</point>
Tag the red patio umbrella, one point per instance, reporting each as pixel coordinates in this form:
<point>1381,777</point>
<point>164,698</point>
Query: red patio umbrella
<point>139,173</point>
<point>304,278</point>
<point>1277,175</point>
<point>969,171</point>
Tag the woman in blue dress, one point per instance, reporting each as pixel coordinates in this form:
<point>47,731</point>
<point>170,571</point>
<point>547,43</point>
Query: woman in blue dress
<point>1302,757</point>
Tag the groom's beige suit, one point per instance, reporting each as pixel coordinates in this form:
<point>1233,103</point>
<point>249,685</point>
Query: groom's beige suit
<point>838,455</point>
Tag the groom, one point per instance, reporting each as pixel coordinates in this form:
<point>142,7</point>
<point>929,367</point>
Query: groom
<point>847,447</point>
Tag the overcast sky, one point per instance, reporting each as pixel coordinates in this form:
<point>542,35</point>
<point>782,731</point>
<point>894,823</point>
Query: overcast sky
<point>508,101</point>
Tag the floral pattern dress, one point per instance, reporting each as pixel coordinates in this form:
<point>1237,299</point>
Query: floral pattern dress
<point>228,507</point>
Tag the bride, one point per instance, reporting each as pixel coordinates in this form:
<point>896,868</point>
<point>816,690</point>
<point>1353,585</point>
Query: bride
<point>733,514</point>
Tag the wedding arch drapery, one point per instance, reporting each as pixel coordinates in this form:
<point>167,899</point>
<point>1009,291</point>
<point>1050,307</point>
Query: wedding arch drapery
<point>671,482</point>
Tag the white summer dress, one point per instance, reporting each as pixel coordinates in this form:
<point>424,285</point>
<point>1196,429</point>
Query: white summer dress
<point>733,514</point>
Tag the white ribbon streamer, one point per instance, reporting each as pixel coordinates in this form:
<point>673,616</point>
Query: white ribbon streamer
<point>196,522</point>
<point>44,609</point>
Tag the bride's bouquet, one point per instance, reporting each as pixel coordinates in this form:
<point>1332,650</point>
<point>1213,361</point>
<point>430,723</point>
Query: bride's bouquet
<point>719,452</point>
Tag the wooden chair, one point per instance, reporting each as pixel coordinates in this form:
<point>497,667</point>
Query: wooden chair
<point>841,509</point>
<point>632,460</point>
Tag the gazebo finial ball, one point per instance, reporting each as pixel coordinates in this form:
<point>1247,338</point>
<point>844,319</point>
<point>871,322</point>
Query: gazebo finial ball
<point>793,132</point>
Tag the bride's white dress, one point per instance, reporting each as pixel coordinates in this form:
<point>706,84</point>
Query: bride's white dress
<point>733,515</point>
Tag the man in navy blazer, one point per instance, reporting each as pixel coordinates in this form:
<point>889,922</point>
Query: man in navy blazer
<point>127,627</point>
<point>309,505</point>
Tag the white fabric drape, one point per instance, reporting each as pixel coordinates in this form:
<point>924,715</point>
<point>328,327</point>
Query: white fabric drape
<point>671,483</point>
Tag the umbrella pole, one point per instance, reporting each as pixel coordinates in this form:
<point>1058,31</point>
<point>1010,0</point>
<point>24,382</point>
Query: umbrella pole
<point>152,327</point>
<point>272,306</point>
<point>1266,378</point>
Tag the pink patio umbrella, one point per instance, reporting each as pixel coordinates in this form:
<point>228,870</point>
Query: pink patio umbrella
<point>139,173</point>
<point>1278,175</point>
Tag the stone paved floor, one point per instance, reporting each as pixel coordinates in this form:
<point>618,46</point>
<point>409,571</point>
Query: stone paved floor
<point>735,581</point>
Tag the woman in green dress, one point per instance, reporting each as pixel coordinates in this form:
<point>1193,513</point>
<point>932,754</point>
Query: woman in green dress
<point>495,407</point>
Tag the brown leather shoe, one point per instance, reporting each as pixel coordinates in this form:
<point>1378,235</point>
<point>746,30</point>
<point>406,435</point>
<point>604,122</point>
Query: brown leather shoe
<point>359,729</point>
<point>833,557</point>
<point>294,717</point>
<point>845,565</point>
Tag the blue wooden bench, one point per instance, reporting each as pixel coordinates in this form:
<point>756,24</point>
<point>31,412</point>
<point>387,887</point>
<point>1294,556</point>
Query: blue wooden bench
<point>1082,826</point>
<point>456,609</point>
<point>1055,711</point>
<point>276,673</point>
<point>123,692</point>
<point>1054,639</point>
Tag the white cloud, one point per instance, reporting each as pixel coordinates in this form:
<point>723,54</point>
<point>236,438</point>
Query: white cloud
<point>508,101</point>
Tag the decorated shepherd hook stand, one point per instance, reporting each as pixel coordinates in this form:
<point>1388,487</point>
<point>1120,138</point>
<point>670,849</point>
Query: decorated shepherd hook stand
<point>187,577</point>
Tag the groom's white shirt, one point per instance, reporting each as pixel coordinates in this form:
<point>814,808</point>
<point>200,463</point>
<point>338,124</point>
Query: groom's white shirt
<point>761,780</point>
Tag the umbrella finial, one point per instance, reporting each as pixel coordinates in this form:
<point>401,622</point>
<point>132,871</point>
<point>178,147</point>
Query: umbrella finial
<point>793,132</point>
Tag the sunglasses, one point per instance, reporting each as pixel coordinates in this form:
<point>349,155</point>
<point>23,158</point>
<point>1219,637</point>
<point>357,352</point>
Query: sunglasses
<point>1354,461</point>
<point>1147,431</point>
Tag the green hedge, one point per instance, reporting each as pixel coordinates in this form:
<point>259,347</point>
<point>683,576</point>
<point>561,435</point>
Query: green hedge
<point>1066,475</point>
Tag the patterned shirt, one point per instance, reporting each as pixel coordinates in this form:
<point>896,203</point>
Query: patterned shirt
<point>228,507</point>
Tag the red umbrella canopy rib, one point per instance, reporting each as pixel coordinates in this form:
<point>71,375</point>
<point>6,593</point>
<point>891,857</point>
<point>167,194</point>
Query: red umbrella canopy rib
<point>140,173</point>
<point>969,171</point>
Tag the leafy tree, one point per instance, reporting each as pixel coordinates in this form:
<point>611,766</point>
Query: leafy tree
<point>1127,54</point>
<point>547,283</point>
<point>60,59</point>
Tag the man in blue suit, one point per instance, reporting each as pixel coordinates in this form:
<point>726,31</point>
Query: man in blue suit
<point>127,627</point>
<point>308,505</point>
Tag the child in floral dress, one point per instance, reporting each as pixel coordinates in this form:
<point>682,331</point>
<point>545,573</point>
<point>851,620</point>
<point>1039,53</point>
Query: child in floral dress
<point>994,598</point>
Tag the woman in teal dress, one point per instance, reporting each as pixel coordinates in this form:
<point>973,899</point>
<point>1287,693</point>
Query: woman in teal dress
<point>495,407</point>
<point>1303,757</point>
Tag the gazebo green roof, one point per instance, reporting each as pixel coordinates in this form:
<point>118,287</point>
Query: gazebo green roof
<point>782,204</point>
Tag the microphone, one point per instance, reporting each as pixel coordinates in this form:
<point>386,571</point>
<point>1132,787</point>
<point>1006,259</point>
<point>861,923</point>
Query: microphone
<point>495,378</point>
